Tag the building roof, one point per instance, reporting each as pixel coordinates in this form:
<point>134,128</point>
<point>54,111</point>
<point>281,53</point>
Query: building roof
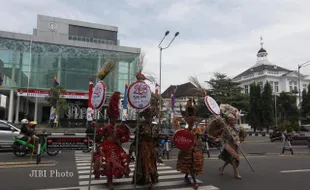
<point>182,90</point>
<point>262,50</point>
<point>261,68</point>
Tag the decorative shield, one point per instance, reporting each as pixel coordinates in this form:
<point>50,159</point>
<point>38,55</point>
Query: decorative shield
<point>139,95</point>
<point>212,105</point>
<point>184,139</point>
<point>98,95</point>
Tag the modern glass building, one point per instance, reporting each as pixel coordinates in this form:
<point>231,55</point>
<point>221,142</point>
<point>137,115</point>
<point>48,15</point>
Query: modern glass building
<point>73,52</point>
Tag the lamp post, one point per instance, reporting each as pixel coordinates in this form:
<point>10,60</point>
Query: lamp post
<point>161,48</point>
<point>305,64</point>
<point>275,109</point>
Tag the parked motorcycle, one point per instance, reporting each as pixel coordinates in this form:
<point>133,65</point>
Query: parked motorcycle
<point>277,135</point>
<point>19,147</point>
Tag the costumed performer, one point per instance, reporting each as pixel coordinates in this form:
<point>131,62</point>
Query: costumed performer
<point>112,160</point>
<point>191,161</point>
<point>148,137</point>
<point>232,135</point>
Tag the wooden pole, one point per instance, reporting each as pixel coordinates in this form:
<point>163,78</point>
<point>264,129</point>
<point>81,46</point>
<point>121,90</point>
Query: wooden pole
<point>137,147</point>
<point>94,149</point>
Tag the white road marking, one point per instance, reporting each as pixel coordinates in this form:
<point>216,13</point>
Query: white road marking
<point>122,180</point>
<point>295,171</point>
<point>167,176</point>
<point>161,184</point>
<point>131,174</point>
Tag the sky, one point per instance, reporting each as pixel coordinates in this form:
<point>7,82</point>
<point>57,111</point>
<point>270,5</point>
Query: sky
<point>215,35</point>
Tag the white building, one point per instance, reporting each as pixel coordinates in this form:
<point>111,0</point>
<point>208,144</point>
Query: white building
<point>183,93</point>
<point>281,79</point>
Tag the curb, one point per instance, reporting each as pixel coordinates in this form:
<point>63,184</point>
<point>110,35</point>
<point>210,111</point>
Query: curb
<point>258,134</point>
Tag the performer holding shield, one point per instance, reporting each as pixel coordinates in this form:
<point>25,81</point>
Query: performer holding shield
<point>231,133</point>
<point>148,137</point>
<point>189,141</point>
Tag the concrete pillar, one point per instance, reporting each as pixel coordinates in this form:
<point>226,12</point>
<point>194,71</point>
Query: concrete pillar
<point>11,106</point>
<point>17,110</point>
<point>36,109</point>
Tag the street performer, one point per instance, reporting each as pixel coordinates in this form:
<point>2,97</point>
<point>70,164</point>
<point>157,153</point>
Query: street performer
<point>148,137</point>
<point>110,159</point>
<point>191,161</point>
<point>231,133</point>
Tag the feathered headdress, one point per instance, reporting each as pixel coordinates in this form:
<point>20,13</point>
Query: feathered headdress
<point>153,109</point>
<point>229,111</point>
<point>113,110</point>
<point>195,81</point>
<point>106,68</point>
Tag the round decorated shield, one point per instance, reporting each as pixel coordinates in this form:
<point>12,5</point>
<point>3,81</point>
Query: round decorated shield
<point>212,105</point>
<point>98,95</point>
<point>139,95</point>
<point>183,139</point>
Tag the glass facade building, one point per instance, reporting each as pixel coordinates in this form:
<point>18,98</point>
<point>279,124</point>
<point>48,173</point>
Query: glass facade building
<point>70,51</point>
<point>33,65</point>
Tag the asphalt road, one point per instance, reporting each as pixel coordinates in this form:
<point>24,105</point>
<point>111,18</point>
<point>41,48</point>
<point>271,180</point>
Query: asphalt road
<point>267,176</point>
<point>17,173</point>
<point>263,155</point>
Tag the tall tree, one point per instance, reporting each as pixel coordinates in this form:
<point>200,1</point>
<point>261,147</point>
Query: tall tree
<point>255,115</point>
<point>287,107</point>
<point>305,106</point>
<point>224,90</point>
<point>267,106</point>
<point>58,104</point>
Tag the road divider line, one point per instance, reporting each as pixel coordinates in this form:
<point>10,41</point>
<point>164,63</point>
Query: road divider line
<point>295,171</point>
<point>26,166</point>
<point>26,163</point>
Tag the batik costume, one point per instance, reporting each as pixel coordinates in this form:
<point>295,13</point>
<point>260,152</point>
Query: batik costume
<point>191,161</point>
<point>232,135</point>
<point>111,160</point>
<point>146,160</point>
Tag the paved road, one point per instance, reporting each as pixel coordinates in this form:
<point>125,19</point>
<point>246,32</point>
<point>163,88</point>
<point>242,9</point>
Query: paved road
<point>263,155</point>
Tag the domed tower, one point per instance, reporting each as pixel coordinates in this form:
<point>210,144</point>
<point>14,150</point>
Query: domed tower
<point>262,54</point>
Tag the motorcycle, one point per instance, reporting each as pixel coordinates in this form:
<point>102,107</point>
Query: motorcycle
<point>216,142</point>
<point>213,142</point>
<point>19,147</point>
<point>276,136</point>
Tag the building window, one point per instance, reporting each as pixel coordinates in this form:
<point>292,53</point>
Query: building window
<point>246,89</point>
<point>271,84</point>
<point>261,85</point>
<point>304,86</point>
<point>276,86</point>
<point>295,86</point>
<point>291,86</point>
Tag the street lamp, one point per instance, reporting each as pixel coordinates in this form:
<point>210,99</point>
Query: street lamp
<point>305,64</point>
<point>300,66</point>
<point>275,109</point>
<point>160,64</point>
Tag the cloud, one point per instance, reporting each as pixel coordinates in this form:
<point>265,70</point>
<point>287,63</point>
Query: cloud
<point>215,36</point>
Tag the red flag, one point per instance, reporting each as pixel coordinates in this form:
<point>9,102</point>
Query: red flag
<point>156,88</point>
<point>90,91</point>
